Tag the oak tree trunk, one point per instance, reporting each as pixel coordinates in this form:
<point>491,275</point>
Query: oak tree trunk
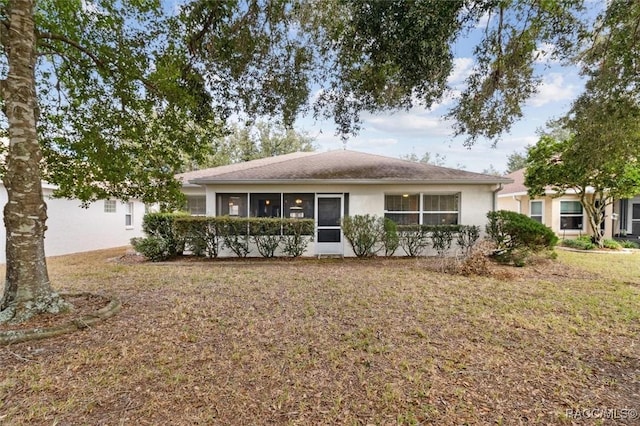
<point>27,289</point>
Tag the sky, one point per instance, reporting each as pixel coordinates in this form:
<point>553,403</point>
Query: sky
<point>420,130</point>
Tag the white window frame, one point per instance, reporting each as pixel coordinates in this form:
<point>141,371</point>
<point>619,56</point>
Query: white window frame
<point>581,215</point>
<point>128,215</point>
<point>541,215</point>
<point>110,206</point>
<point>421,208</point>
<point>404,212</point>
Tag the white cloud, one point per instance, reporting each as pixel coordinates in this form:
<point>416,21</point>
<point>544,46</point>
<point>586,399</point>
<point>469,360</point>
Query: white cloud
<point>461,70</point>
<point>543,54</point>
<point>410,123</point>
<point>553,89</point>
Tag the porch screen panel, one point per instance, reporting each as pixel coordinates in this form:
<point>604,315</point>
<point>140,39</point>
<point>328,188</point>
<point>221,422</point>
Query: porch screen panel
<point>265,205</point>
<point>300,206</point>
<point>231,205</point>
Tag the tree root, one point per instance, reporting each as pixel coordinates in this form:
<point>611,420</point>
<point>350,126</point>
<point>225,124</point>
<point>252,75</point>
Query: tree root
<point>18,336</point>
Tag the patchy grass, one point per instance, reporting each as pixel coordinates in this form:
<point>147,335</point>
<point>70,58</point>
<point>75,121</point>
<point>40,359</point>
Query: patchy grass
<point>335,341</point>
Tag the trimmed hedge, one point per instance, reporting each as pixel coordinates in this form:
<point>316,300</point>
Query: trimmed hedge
<point>517,236</point>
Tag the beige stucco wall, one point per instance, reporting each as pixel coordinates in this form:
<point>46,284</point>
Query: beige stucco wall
<point>551,213</point>
<point>475,200</point>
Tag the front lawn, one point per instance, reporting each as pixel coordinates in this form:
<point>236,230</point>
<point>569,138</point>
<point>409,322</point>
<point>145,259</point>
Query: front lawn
<point>336,341</point>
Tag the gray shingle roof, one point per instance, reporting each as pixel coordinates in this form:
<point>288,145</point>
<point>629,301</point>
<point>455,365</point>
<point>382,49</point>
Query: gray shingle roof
<point>335,166</point>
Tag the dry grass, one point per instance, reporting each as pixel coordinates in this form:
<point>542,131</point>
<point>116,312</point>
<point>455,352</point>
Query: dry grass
<point>335,341</point>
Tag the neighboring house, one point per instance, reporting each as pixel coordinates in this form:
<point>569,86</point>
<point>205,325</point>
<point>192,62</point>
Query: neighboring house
<point>329,185</point>
<point>73,229</point>
<point>563,214</point>
<point>628,215</point>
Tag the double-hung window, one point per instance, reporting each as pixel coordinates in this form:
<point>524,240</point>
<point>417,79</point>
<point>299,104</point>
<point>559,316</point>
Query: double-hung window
<point>403,209</point>
<point>197,204</point>
<point>128,215</point>
<point>535,210</point>
<point>423,209</point>
<point>440,209</point>
<point>571,215</point>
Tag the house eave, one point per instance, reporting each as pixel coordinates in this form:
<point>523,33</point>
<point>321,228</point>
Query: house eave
<point>348,182</point>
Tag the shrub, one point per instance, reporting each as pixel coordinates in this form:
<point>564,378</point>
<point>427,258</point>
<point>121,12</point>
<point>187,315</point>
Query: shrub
<point>235,234</point>
<point>161,225</point>
<point>364,233</point>
<point>467,238</point>
<point>297,234</point>
<point>201,234</point>
<point>611,244</point>
<point>390,237</point>
<point>266,235</point>
<point>153,248</point>
<point>629,244</point>
<point>517,236</point>
<point>442,237</point>
<point>583,242</point>
<point>413,239</point>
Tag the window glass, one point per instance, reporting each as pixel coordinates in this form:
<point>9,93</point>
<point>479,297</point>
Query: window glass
<point>128,215</point>
<point>402,202</point>
<point>437,209</point>
<point>231,205</point>
<point>196,204</point>
<point>109,206</point>
<point>535,211</point>
<point>299,206</point>
<point>265,205</point>
<point>571,215</point>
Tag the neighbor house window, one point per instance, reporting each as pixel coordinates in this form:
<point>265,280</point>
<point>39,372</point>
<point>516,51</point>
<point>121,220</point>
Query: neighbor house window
<point>232,205</point>
<point>197,204</point>
<point>403,209</point>
<point>109,206</point>
<point>535,210</point>
<point>265,205</point>
<point>441,209</point>
<point>571,215</point>
<point>128,215</point>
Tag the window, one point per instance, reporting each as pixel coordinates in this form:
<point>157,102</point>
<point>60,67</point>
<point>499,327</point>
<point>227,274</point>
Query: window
<point>535,210</point>
<point>109,206</point>
<point>436,209</point>
<point>128,215</point>
<point>403,209</point>
<point>570,215</point>
<point>440,209</point>
<point>231,205</point>
<point>197,204</point>
<point>265,205</point>
<point>300,206</point>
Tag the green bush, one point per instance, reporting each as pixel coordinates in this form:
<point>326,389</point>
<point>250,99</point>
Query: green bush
<point>161,225</point>
<point>517,236</point>
<point>364,233</point>
<point>467,238</point>
<point>201,234</point>
<point>442,237</point>
<point>583,242</point>
<point>413,239</point>
<point>390,237</point>
<point>611,244</point>
<point>629,244</point>
<point>153,248</point>
<point>297,233</point>
<point>266,234</point>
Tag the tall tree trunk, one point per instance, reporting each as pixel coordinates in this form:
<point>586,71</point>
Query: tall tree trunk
<point>27,289</point>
